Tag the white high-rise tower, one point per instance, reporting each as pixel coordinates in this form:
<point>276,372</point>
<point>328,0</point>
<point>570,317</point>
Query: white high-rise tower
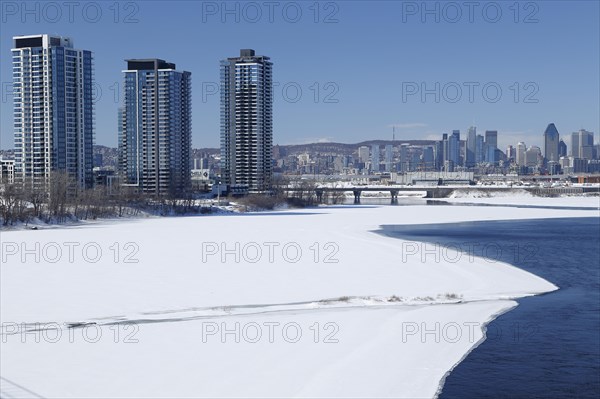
<point>53,110</point>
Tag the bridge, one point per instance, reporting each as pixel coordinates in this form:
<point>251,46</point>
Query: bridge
<point>442,191</point>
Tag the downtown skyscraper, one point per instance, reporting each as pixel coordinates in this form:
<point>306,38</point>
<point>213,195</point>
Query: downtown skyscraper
<point>247,121</point>
<point>155,129</point>
<point>520,153</point>
<point>551,141</point>
<point>582,144</point>
<point>490,146</point>
<point>471,152</point>
<point>53,111</point>
<point>454,147</point>
<point>375,155</point>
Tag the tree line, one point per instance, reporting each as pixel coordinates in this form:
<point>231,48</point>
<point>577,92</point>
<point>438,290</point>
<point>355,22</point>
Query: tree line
<point>60,200</point>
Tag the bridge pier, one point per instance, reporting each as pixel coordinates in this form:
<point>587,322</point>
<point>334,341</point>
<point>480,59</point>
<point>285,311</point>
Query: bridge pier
<point>394,194</point>
<point>357,196</point>
<point>319,193</point>
<point>438,192</point>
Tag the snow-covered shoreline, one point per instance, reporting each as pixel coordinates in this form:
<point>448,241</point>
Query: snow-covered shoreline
<point>375,289</point>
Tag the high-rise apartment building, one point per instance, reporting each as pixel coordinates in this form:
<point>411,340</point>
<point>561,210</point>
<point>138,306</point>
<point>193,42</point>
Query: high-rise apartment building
<point>247,121</point>
<point>53,110</point>
<point>551,140</point>
<point>155,129</point>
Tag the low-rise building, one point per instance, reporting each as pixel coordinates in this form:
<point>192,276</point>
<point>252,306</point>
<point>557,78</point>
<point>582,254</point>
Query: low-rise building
<point>7,171</point>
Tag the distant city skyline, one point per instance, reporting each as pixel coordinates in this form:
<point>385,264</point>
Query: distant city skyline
<point>344,98</point>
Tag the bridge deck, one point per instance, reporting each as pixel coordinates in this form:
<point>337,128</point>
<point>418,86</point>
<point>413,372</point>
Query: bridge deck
<point>445,191</point>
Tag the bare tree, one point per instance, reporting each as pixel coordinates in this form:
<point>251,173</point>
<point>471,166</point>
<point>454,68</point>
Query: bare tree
<point>337,197</point>
<point>60,188</point>
<point>8,202</point>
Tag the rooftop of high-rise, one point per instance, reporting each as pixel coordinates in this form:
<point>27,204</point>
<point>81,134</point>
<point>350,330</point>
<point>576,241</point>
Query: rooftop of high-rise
<point>144,64</point>
<point>248,54</point>
<point>42,40</point>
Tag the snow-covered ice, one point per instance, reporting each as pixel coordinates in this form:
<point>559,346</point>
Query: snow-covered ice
<point>362,303</point>
<point>521,198</point>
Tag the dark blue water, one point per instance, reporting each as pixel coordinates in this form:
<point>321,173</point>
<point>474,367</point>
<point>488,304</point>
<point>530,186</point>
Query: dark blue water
<point>549,345</point>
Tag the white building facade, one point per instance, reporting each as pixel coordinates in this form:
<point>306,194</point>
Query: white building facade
<point>53,110</point>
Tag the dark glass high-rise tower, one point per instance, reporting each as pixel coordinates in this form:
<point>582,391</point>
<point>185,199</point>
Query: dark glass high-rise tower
<point>471,157</point>
<point>155,132</point>
<point>551,140</point>
<point>490,146</point>
<point>247,121</point>
<point>454,147</point>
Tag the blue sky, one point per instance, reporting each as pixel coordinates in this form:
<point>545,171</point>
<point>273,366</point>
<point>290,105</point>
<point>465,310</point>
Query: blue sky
<point>360,66</point>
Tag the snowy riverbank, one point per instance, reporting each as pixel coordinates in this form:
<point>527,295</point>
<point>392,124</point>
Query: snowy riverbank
<point>525,199</point>
<point>319,303</point>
